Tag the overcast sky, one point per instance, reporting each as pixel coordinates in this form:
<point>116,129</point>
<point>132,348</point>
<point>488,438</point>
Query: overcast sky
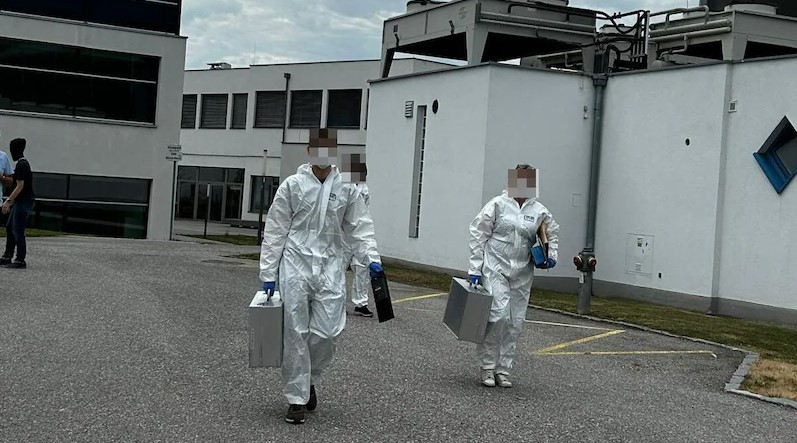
<point>242,32</point>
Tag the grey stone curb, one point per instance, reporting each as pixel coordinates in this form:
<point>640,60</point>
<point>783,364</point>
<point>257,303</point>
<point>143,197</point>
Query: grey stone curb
<point>733,386</point>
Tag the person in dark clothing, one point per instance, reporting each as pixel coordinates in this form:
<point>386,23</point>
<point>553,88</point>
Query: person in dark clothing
<point>18,206</point>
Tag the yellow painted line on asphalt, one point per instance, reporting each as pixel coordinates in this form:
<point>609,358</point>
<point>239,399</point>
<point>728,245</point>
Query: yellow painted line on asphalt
<point>625,353</point>
<point>567,325</point>
<point>419,297</point>
<point>579,341</point>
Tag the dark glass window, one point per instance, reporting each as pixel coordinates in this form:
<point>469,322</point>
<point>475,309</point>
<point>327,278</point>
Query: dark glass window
<point>79,204</point>
<point>63,80</point>
<point>305,109</point>
<point>270,109</point>
<point>50,185</point>
<point>153,15</point>
<point>239,108</point>
<point>107,189</point>
<point>189,112</point>
<point>272,183</point>
<point>235,176</point>
<point>187,172</point>
<point>211,174</point>
<point>63,58</point>
<point>214,111</point>
<point>343,110</point>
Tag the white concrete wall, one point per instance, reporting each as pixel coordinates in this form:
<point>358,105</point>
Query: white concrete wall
<point>758,256</point>
<point>244,147</point>
<point>453,164</point>
<point>537,117</point>
<point>63,145</point>
<point>652,183</point>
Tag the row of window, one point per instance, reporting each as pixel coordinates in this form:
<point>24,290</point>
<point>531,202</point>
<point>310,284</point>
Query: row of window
<point>72,81</point>
<point>92,205</point>
<point>151,15</point>
<point>343,110</point>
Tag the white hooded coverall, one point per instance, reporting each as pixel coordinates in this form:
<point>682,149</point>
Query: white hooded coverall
<point>359,292</point>
<point>303,250</point>
<point>501,237</point>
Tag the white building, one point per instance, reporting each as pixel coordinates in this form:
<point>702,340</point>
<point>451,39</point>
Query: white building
<point>95,89</point>
<point>687,216</point>
<point>232,115</point>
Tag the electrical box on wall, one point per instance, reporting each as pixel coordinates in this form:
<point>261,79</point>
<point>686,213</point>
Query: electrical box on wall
<point>639,254</point>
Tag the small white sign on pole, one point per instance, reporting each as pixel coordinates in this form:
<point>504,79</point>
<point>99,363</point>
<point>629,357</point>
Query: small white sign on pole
<point>175,153</point>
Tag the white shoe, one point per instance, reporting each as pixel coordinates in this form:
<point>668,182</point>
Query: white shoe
<point>502,380</point>
<point>488,378</point>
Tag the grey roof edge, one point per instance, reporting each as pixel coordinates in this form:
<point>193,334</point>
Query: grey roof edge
<point>479,65</point>
<point>733,386</point>
<point>322,62</point>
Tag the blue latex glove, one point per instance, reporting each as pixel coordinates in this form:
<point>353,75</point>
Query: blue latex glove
<point>551,263</point>
<point>376,269</point>
<point>474,279</point>
<point>269,287</point>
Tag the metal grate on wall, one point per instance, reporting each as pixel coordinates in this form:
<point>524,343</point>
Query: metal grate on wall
<point>270,109</point>
<point>306,109</point>
<point>214,111</point>
<point>417,173</point>
<point>239,108</point>
<point>189,112</point>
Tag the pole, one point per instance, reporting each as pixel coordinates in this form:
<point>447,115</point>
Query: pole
<point>207,212</point>
<point>174,196</point>
<point>262,207</point>
<point>585,291</point>
<point>260,227</point>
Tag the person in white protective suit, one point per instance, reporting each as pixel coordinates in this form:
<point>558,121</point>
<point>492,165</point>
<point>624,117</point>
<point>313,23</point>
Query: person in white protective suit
<point>354,172</point>
<point>501,238</point>
<point>302,248</point>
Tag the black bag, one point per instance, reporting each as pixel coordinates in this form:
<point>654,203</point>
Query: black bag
<point>384,307</point>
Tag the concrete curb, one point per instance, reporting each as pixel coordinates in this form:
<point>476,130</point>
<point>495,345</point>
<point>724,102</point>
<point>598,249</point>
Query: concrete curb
<point>733,385</point>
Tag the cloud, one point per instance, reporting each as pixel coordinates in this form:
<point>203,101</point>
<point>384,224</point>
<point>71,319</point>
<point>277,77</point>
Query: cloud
<point>242,32</point>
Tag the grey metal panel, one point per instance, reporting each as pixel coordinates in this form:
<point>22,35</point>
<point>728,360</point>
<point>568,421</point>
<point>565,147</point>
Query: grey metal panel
<point>467,311</point>
<point>265,331</point>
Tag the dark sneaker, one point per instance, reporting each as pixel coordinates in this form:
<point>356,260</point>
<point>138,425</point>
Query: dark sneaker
<point>17,265</point>
<point>364,311</point>
<point>5,261</point>
<point>313,403</point>
<point>295,415</point>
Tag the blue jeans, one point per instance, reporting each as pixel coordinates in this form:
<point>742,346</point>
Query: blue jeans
<point>15,230</point>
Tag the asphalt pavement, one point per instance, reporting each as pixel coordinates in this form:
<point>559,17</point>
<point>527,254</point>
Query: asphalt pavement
<point>120,340</point>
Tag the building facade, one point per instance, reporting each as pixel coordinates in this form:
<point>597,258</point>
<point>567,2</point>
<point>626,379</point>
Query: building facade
<point>94,87</point>
<point>689,214</point>
<point>241,124</point>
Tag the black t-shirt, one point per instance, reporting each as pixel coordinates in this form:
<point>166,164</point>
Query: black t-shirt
<point>23,172</point>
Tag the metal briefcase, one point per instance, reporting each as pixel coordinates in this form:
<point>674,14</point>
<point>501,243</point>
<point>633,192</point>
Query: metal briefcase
<point>467,311</point>
<point>265,330</point>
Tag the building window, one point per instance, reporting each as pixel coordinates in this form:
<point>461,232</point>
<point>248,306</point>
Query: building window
<point>53,79</point>
<point>93,205</point>
<point>417,173</point>
<point>367,106</point>
<point>343,108</point>
<point>272,183</point>
<point>778,156</point>
<point>152,15</point>
<point>189,112</point>
<point>239,108</point>
<point>306,109</point>
<point>214,111</point>
<point>270,109</point>
<point>216,193</point>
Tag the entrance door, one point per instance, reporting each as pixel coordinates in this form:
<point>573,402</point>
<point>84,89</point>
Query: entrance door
<point>232,204</point>
<point>186,194</point>
<point>216,202</point>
